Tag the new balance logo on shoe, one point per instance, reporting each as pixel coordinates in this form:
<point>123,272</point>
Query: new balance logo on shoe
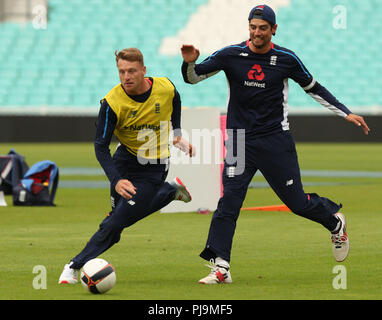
<point>181,193</point>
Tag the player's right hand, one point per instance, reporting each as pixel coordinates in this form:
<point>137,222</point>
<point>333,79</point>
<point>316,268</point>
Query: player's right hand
<point>189,53</point>
<point>359,121</point>
<point>125,188</point>
<point>184,146</point>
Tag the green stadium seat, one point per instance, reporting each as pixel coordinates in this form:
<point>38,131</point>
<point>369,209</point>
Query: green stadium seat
<point>72,61</point>
<point>3,99</point>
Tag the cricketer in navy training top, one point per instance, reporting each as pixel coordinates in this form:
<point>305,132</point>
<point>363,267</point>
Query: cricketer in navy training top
<point>138,111</point>
<point>257,72</point>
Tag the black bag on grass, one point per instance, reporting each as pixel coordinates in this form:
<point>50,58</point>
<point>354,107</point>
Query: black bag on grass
<point>38,186</point>
<point>12,169</point>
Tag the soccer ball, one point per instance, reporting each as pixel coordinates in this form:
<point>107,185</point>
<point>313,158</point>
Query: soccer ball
<point>98,276</point>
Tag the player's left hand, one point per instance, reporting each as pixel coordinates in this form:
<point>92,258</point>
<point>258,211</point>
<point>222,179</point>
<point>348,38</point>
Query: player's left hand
<point>359,121</point>
<point>184,146</point>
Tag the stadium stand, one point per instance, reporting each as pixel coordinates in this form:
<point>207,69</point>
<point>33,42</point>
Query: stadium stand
<point>69,66</point>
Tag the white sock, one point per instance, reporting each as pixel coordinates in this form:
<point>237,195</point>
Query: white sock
<point>222,263</point>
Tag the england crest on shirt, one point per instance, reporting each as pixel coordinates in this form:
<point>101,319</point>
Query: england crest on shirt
<point>273,60</point>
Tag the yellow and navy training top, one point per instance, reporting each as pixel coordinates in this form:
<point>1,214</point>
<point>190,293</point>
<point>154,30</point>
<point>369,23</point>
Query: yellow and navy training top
<point>141,123</point>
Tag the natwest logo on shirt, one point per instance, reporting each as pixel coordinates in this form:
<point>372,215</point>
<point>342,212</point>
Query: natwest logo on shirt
<point>256,73</point>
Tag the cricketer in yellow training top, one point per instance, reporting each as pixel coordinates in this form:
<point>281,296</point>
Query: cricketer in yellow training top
<point>143,127</point>
<point>138,112</point>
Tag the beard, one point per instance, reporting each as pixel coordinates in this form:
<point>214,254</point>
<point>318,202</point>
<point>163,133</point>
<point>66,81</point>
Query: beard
<point>259,45</point>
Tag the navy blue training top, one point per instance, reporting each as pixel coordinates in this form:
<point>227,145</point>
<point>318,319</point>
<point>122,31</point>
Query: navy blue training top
<point>258,86</point>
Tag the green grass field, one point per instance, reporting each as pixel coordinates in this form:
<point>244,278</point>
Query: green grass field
<point>276,255</point>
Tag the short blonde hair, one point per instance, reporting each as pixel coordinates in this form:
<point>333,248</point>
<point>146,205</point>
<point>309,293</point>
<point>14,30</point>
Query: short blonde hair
<point>129,54</point>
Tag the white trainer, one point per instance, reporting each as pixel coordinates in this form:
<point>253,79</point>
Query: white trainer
<point>182,193</point>
<point>340,240</point>
<point>69,275</point>
<point>218,274</point>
